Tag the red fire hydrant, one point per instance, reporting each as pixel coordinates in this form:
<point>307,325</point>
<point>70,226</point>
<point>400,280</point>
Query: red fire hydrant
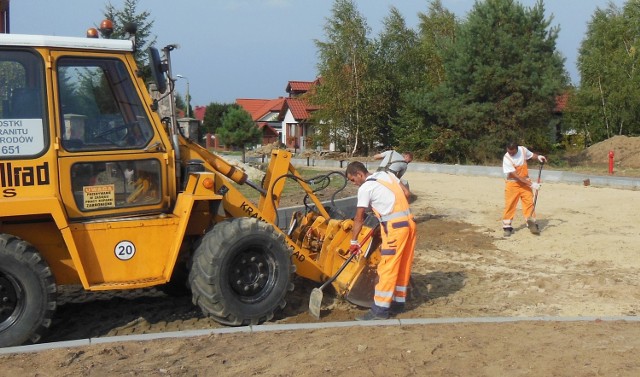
<point>610,162</point>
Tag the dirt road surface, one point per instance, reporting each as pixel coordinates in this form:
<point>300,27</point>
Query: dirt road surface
<point>583,264</point>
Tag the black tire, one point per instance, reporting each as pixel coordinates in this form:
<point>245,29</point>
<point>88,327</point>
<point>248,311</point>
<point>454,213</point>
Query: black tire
<point>241,272</point>
<point>27,293</point>
<point>178,286</point>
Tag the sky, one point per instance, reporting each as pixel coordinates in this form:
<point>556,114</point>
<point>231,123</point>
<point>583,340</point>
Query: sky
<point>233,49</point>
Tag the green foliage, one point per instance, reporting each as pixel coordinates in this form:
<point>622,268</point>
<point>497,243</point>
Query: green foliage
<point>417,127</point>
<point>344,63</point>
<point>238,129</point>
<point>213,115</point>
<point>502,76</point>
<point>605,104</point>
<point>396,69</point>
<point>144,38</point>
<point>451,91</point>
<point>180,104</point>
<point>437,31</point>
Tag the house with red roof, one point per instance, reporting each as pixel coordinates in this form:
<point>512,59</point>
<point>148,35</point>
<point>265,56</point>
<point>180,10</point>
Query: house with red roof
<point>561,102</point>
<point>285,119</point>
<point>265,113</point>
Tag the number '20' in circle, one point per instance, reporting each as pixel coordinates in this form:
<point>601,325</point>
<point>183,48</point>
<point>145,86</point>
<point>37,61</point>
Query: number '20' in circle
<point>125,250</point>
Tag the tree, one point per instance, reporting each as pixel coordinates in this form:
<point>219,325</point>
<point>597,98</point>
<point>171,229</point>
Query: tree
<point>417,128</point>
<point>437,34</point>
<point>605,104</point>
<point>238,129</point>
<point>213,115</point>
<point>144,38</point>
<point>503,74</point>
<point>343,65</point>
<point>396,69</point>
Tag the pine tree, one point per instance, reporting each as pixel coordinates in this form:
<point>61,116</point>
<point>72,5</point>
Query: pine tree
<point>213,115</point>
<point>503,75</point>
<point>397,69</point>
<point>417,127</point>
<point>238,130</point>
<point>128,15</point>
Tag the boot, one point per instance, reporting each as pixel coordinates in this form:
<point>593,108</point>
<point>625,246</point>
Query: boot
<point>396,308</point>
<point>508,231</point>
<point>371,316</point>
<point>533,226</point>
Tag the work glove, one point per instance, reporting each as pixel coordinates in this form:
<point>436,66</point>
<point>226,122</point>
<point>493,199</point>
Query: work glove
<point>535,186</point>
<point>542,158</point>
<point>354,248</point>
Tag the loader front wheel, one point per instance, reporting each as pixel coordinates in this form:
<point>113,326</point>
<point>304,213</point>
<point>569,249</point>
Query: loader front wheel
<point>241,272</point>
<point>27,293</point>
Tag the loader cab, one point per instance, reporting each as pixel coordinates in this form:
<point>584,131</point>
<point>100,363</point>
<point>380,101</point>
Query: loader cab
<point>78,107</point>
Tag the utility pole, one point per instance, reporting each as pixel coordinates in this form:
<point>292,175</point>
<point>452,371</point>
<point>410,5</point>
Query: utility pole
<point>4,17</point>
<point>188,97</point>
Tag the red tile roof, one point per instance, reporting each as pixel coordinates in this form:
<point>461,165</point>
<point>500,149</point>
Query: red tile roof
<point>260,107</point>
<point>300,109</point>
<point>296,88</point>
<point>561,102</point>
<point>299,86</point>
<point>269,129</point>
<point>252,106</point>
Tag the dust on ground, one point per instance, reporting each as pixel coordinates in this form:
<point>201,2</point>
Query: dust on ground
<point>583,264</point>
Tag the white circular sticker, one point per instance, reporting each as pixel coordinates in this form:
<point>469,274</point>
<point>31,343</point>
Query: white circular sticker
<point>125,250</point>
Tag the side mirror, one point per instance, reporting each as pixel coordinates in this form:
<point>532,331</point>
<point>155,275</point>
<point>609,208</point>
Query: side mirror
<point>157,70</point>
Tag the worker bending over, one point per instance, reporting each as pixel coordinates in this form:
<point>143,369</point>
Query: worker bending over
<point>394,162</point>
<point>387,198</point>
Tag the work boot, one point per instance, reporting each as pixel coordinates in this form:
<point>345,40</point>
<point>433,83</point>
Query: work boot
<point>396,308</point>
<point>533,226</point>
<point>508,231</point>
<point>371,316</point>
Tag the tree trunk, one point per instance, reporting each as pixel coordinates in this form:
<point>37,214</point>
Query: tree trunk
<point>604,108</point>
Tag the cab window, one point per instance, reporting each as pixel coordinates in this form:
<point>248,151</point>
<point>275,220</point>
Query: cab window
<point>22,120</point>
<point>115,184</point>
<point>99,106</point>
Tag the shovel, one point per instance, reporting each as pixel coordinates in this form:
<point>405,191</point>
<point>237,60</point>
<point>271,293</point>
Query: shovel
<point>533,227</point>
<point>535,197</point>
<point>315,300</point>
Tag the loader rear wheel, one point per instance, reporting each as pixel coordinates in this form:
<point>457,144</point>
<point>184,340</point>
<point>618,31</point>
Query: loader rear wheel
<point>27,293</point>
<point>241,272</point>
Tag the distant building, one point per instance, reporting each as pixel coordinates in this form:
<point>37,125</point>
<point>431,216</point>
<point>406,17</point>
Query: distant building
<point>285,119</point>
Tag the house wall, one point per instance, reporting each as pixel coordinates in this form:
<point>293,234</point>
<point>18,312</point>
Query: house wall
<point>293,132</point>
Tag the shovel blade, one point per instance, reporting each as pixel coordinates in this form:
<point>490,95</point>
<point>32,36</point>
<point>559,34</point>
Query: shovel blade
<point>361,292</point>
<point>315,302</point>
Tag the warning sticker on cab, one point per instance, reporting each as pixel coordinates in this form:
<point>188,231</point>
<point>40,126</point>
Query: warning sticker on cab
<point>99,196</point>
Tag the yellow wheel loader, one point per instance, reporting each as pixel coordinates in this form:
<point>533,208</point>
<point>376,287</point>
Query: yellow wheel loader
<point>99,190</point>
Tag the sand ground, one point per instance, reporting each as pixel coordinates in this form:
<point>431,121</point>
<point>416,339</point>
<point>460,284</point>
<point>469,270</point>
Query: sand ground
<point>584,263</point>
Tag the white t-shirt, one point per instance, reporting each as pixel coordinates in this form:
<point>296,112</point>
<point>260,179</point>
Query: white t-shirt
<point>510,162</point>
<point>375,194</point>
<point>395,162</point>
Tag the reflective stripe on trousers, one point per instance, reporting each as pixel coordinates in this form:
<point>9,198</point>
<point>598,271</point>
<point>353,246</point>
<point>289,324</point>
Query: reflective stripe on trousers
<point>394,269</point>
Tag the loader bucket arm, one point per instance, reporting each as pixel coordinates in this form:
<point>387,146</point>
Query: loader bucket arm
<point>319,243</point>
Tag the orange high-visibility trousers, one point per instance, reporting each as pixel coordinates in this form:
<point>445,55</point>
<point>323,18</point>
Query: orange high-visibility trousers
<point>394,269</point>
<point>513,192</point>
